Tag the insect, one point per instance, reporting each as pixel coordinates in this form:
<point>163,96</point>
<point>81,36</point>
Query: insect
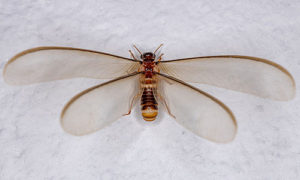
<point>155,83</point>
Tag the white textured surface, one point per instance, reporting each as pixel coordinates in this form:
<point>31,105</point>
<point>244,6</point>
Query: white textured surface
<point>33,145</point>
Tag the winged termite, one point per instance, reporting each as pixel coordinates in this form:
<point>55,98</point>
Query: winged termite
<point>152,81</point>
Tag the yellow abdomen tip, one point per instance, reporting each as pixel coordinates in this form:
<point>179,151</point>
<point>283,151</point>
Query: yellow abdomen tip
<point>149,114</point>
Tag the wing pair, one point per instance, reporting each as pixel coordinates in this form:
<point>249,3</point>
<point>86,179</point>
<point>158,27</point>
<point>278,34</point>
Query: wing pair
<point>196,110</point>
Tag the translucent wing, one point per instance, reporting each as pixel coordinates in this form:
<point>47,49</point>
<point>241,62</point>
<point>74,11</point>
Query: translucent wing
<point>99,106</point>
<point>251,75</point>
<point>197,111</point>
<point>53,63</point>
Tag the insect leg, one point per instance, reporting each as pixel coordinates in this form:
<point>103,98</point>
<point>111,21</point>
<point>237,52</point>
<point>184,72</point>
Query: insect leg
<point>132,102</point>
<point>166,105</point>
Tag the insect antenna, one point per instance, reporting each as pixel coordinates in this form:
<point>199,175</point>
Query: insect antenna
<point>132,55</point>
<point>159,59</point>
<point>158,48</point>
<point>137,49</point>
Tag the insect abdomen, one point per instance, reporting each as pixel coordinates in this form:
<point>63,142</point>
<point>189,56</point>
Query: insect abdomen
<point>149,105</point>
<point>148,101</point>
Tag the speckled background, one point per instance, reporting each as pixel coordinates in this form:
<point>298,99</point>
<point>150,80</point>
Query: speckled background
<point>33,145</point>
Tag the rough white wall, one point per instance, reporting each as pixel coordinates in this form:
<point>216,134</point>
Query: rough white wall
<point>33,145</point>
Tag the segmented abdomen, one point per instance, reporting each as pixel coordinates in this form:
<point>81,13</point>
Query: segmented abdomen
<point>148,101</point>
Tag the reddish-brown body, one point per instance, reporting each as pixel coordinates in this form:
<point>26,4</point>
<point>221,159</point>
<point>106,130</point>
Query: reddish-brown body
<point>148,87</point>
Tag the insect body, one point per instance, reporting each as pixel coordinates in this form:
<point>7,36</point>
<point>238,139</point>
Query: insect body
<point>149,87</point>
<point>154,82</point>
<point>148,100</point>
